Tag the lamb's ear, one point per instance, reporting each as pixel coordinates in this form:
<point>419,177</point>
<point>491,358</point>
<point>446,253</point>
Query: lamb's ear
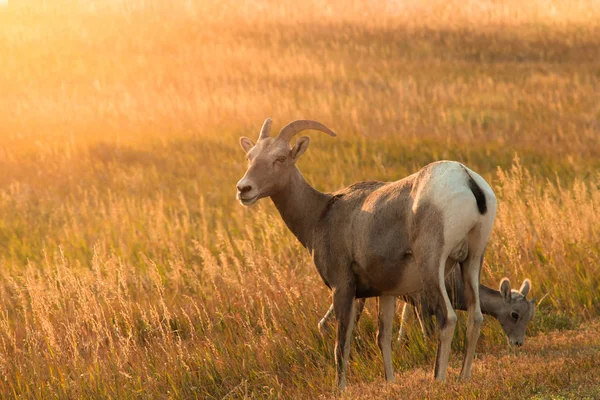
<point>246,143</point>
<point>525,287</point>
<point>300,147</point>
<point>505,289</point>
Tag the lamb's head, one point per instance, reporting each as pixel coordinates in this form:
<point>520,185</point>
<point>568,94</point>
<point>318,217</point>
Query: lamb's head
<point>271,161</point>
<point>516,312</point>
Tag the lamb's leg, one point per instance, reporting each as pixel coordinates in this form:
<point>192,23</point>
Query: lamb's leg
<point>345,308</point>
<point>329,315</point>
<point>324,322</point>
<point>387,308</point>
<point>407,313</point>
<point>360,306</point>
<point>424,315</point>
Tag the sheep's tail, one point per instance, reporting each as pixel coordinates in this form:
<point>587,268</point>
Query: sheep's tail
<point>478,193</point>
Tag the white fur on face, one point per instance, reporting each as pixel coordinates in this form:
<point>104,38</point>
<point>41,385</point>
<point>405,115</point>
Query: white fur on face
<point>269,161</point>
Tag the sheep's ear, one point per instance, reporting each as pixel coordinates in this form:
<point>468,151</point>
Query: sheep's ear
<point>300,147</point>
<point>525,287</point>
<point>505,289</point>
<point>246,143</point>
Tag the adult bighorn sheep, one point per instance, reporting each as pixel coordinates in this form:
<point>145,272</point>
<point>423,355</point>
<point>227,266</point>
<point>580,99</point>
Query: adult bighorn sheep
<point>380,239</point>
<point>510,307</point>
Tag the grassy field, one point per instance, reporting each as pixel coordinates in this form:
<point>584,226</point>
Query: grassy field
<point>130,271</point>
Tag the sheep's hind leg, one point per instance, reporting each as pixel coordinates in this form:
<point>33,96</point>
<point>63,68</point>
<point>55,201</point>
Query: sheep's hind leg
<point>471,269</point>
<point>446,324</point>
<point>360,306</point>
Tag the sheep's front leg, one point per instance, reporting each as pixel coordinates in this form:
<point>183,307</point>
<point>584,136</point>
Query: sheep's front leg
<point>345,308</point>
<point>470,273</point>
<point>446,323</point>
<point>387,308</point>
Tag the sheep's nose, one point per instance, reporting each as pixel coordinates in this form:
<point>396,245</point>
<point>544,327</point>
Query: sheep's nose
<point>519,344</point>
<point>244,188</point>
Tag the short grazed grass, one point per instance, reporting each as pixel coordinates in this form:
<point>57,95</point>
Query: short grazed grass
<point>129,270</point>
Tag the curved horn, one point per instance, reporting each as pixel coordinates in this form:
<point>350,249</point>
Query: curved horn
<point>266,128</point>
<point>293,128</point>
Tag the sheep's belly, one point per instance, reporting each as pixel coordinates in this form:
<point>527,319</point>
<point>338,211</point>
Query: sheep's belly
<point>394,278</point>
<point>409,281</point>
<point>398,278</point>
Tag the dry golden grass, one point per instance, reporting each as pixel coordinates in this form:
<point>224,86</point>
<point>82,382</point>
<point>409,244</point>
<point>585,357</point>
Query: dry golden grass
<point>130,271</point>
<point>552,366</point>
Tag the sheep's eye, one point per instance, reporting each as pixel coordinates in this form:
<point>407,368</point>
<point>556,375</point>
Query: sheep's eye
<point>514,316</point>
<point>280,159</point>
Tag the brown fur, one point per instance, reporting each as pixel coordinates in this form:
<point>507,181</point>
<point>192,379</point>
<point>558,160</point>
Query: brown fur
<point>360,237</point>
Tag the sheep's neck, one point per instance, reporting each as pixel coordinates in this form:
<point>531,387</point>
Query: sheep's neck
<point>491,301</point>
<point>300,206</point>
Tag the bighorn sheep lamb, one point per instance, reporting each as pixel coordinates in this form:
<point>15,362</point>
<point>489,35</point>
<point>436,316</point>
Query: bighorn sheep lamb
<point>510,307</point>
<point>380,239</point>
